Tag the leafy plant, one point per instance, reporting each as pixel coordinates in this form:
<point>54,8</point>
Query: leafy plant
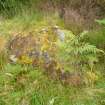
<point>79,52</point>
<point>101,21</point>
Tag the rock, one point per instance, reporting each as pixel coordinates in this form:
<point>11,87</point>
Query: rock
<point>59,33</point>
<point>13,58</point>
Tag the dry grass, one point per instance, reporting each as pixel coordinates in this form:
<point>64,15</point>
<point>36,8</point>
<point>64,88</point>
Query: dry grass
<point>2,44</point>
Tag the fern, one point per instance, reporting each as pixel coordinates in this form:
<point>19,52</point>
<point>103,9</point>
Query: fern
<point>79,51</point>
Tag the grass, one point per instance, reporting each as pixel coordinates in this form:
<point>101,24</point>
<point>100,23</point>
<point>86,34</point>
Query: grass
<point>25,23</point>
<point>98,36</point>
<point>34,88</point>
<point>26,85</point>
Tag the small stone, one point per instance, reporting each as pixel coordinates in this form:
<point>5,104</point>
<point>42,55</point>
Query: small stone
<point>13,58</point>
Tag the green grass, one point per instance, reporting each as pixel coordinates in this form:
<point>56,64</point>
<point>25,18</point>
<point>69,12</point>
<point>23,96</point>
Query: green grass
<point>34,88</point>
<point>25,23</point>
<point>97,37</point>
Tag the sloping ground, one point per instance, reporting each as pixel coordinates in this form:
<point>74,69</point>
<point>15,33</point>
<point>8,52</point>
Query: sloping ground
<point>27,85</point>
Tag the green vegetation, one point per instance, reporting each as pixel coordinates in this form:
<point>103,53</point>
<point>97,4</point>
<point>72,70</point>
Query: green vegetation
<point>21,85</point>
<point>68,71</point>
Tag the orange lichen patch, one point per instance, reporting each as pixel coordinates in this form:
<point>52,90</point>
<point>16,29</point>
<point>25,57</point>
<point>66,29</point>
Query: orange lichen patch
<point>2,44</point>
